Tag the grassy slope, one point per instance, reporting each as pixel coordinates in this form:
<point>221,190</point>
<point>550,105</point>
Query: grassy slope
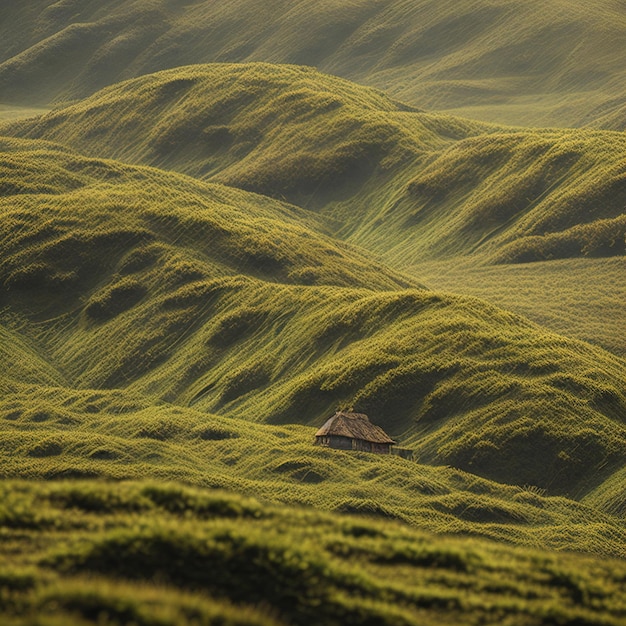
<point>413,187</point>
<point>610,496</point>
<point>252,123</point>
<point>581,298</point>
<point>237,231</point>
<point>408,185</point>
<point>57,433</point>
<point>132,277</point>
<point>8,112</point>
<point>65,546</point>
<point>526,63</point>
<point>166,288</point>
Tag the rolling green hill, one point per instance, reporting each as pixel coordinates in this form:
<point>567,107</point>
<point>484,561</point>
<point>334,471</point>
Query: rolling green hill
<point>57,433</point>
<point>238,231</point>
<point>408,185</point>
<point>211,239</point>
<point>415,188</point>
<point>193,293</point>
<point>582,298</point>
<point>282,130</point>
<point>533,63</point>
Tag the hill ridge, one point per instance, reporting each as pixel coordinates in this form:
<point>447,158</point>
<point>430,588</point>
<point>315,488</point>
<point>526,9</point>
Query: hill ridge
<point>387,178</point>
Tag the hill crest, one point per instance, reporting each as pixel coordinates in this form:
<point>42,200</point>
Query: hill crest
<point>386,177</point>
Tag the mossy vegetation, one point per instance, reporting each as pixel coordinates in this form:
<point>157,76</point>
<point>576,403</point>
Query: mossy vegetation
<point>385,177</point>
<point>207,296</point>
<point>57,433</point>
<point>190,556</point>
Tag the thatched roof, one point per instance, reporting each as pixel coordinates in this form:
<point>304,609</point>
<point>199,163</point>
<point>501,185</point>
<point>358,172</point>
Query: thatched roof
<point>355,426</point>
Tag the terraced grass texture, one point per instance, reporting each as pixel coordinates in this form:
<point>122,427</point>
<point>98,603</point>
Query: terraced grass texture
<point>52,433</point>
<point>122,277</point>
<point>168,329</point>
<point>558,63</point>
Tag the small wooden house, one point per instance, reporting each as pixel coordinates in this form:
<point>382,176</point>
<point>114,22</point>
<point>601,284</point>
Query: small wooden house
<point>353,431</point>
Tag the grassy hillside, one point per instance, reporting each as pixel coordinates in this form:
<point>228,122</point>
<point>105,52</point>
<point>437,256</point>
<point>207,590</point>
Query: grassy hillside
<point>66,545</point>
<point>125,277</point>
<point>54,433</point>
<point>281,130</point>
<point>610,496</point>
<point>581,298</point>
<point>199,265</point>
<point>517,198</point>
<point>55,202</point>
<point>413,187</point>
<point>408,185</point>
<point>531,63</point>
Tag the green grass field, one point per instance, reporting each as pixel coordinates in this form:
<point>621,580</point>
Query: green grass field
<point>201,294</point>
<point>212,238</point>
<point>269,565</point>
<point>387,177</point>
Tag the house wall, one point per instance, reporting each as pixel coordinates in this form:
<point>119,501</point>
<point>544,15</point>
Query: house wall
<point>341,443</point>
<point>363,446</point>
<point>346,443</point>
<point>334,441</point>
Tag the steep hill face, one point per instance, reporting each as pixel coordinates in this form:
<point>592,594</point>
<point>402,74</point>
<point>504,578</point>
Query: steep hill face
<point>125,277</point>
<point>524,63</point>
<point>409,185</point>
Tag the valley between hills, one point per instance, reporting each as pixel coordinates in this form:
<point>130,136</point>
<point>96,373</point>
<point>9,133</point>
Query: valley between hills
<point>222,223</point>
